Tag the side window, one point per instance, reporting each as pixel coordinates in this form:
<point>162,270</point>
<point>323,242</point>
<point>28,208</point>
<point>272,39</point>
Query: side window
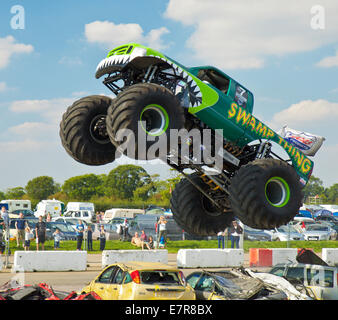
<point>77,214</point>
<point>118,276</point>
<point>278,271</point>
<point>216,79</point>
<point>295,274</point>
<point>193,279</point>
<point>206,283</point>
<point>320,277</point>
<point>128,278</point>
<point>85,213</point>
<point>107,275</point>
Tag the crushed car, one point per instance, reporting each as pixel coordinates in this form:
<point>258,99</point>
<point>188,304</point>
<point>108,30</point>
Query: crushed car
<point>240,284</point>
<point>311,272</point>
<point>41,291</point>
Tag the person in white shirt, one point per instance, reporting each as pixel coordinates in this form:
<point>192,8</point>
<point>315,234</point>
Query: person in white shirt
<point>161,229</point>
<point>235,233</point>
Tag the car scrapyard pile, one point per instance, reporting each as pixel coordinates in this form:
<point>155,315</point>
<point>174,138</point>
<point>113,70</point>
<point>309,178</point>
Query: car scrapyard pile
<point>41,291</point>
<point>154,281</point>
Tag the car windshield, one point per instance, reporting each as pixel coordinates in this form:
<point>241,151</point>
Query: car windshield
<point>160,277</point>
<point>285,229</point>
<point>317,228</point>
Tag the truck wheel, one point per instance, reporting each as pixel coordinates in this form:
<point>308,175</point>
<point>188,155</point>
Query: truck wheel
<point>195,213</point>
<point>151,106</point>
<point>266,193</point>
<point>83,131</point>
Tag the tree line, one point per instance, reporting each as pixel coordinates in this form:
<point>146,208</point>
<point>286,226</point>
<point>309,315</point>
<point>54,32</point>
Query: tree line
<point>127,186</point>
<point>315,188</point>
<point>124,186</point>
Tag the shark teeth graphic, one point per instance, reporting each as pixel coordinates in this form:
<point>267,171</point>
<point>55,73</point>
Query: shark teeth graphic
<point>122,60</point>
<point>119,60</point>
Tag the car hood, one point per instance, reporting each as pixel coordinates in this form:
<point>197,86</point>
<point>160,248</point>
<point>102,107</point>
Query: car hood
<point>279,283</point>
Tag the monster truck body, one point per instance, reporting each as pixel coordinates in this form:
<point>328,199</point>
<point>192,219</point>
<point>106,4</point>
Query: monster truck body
<point>153,87</point>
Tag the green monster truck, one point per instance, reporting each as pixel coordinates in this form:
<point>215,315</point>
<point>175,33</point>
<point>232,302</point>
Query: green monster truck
<point>156,96</point>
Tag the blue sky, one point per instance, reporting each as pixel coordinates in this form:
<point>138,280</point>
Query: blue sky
<point>270,48</point>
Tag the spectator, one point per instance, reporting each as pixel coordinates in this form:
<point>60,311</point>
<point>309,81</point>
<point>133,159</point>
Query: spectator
<point>5,217</point>
<point>151,243</point>
<point>162,229</point>
<point>57,238</point>
<point>136,241</point>
<point>125,228</point>
<point>49,217</point>
<point>28,237</point>
<point>235,233</point>
<point>40,233</point>
<point>89,238</point>
<point>20,225</point>
<point>144,236</point>
<point>98,217</point>
<point>221,238</point>
<point>161,243</point>
<point>119,230</point>
<point>79,234</point>
<point>102,238</point>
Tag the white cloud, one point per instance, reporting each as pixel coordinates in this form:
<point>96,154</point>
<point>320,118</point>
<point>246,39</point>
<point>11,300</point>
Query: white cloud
<point>26,145</point>
<point>329,62</point>
<point>9,47</point>
<point>243,34</point>
<point>111,34</point>
<point>307,113</point>
<point>33,129</point>
<point>51,109</point>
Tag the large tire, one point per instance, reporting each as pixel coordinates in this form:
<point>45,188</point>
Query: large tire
<point>148,102</point>
<point>83,131</point>
<point>266,193</point>
<point>194,212</point>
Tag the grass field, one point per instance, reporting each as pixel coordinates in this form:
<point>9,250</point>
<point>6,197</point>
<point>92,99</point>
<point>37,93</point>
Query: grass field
<point>174,246</point>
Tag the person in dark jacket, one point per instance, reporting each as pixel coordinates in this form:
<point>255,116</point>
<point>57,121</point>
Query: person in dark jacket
<point>235,233</point>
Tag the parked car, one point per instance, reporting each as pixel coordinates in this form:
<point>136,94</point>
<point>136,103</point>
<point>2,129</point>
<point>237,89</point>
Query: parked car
<point>66,230</point>
<point>28,214</point>
<point>322,280</point>
<point>319,232</point>
<point>110,229</point>
<point>231,285</point>
<point>285,233</point>
<point>331,219</point>
<point>301,226</point>
<point>12,230</point>
<point>141,281</point>
<point>72,221</point>
<point>84,215</point>
<point>256,234</point>
<point>147,222</point>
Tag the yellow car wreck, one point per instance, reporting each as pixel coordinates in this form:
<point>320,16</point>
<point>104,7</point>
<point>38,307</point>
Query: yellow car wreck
<point>141,281</point>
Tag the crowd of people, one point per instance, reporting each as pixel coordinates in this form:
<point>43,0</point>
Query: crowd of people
<point>25,235</point>
<point>233,233</point>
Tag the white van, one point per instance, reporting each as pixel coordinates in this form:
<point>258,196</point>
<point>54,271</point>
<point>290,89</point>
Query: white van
<point>80,210</point>
<point>54,207</point>
<point>121,213</point>
<point>14,205</point>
